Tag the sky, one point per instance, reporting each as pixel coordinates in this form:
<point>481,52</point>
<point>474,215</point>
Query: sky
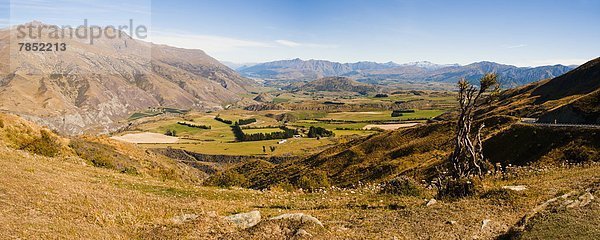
<point>516,32</point>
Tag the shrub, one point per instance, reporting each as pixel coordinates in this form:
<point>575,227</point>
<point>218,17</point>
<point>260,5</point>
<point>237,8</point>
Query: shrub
<point>46,145</point>
<point>229,178</point>
<point>223,120</point>
<point>459,188</point>
<point>283,187</point>
<point>246,121</point>
<point>313,181</point>
<point>314,132</point>
<point>580,154</point>
<point>193,125</point>
<point>500,196</point>
<point>104,156</point>
<point>171,133</point>
<point>402,186</point>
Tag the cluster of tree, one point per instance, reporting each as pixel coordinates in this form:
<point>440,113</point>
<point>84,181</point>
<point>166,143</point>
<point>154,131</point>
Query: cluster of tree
<point>333,103</point>
<point>242,137</point>
<point>317,132</point>
<point>260,127</point>
<point>347,128</point>
<point>400,113</point>
<point>381,95</point>
<point>223,120</point>
<point>171,133</point>
<point>272,148</point>
<point>246,121</point>
<point>194,125</point>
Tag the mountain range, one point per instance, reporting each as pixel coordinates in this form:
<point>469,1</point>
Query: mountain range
<point>93,86</point>
<point>418,151</point>
<point>390,72</point>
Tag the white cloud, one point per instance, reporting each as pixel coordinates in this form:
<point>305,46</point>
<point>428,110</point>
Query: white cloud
<point>288,43</point>
<point>515,46</point>
<point>209,43</point>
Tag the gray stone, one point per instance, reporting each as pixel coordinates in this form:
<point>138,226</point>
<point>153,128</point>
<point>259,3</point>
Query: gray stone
<point>484,223</point>
<point>517,188</point>
<point>245,220</point>
<point>586,199</point>
<point>451,222</point>
<point>184,218</point>
<point>431,202</point>
<point>300,217</point>
<point>302,233</point>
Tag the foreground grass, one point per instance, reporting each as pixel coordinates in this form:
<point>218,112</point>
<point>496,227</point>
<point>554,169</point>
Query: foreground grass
<point>64,198</point>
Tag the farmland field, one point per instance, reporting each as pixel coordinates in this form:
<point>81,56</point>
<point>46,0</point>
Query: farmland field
<point>346,116</point>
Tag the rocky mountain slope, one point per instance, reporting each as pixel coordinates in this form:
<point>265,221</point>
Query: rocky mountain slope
<point>299,70</point>
<point>93,86</point>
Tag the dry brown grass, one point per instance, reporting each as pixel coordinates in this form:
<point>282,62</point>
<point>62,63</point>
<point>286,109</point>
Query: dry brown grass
<point>64,198</point>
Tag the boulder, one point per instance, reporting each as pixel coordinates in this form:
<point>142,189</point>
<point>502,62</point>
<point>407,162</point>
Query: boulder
<point>585,199</point>
<point>302,233</point>
<point>484,223</point>
<point>301,217</point>
<point>245,220</point>
<point>431,202</point>
<point>517,188</point>
<point>184,218</point>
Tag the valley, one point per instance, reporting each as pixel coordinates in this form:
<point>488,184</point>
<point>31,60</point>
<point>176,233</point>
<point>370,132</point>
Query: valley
<point>202,132</point>
<point>371,115</point>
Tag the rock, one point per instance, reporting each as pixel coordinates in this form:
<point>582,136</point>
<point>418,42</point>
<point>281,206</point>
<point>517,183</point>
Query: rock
<point>184,218</point>
<point>586,199</point>
<point>431,202</point>
<point>302,233</point>
<point>245,220</point>
<point>516,188</point>
<point>484,223</point>
<point>574,204</point>
<point>301,217</point>
<point>451,222</point>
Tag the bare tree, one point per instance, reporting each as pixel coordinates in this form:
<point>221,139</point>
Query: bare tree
<point>467,158</point>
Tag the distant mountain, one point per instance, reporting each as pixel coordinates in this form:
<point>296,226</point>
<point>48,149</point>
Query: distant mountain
<point>337,84</point>
<point>237,66</point>
<point>377,73</point>
<point>93,86</point>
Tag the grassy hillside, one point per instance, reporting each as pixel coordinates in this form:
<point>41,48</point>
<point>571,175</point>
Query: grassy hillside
<point>59,197</point>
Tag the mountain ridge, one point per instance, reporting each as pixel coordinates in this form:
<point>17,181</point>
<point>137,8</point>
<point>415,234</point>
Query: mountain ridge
<point>94,86</point>
<point>423,71</point>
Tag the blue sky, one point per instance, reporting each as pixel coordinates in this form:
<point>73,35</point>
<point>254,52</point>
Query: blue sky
<point>522,33</point>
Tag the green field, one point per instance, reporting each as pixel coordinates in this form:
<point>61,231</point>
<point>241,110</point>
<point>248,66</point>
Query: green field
<point>382,116</point>
<point>262,130</point>
<point>221,140</point>
<point>301,146</point>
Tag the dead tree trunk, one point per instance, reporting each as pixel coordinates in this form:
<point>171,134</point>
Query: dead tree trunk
<point>467,158</point>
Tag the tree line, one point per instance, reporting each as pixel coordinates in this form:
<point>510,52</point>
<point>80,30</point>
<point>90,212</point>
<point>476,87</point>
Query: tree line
<point>242,137</point>
<point>194,125</point>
